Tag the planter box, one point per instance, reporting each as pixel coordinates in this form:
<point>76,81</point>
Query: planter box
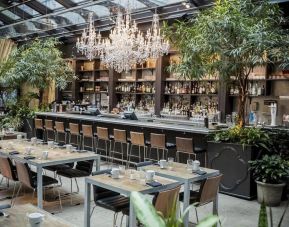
<point>28,127</point>
<point>232,161</point>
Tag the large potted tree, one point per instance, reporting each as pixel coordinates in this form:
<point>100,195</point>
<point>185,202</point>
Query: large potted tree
<point>230,39</point>
<point>269,173</point>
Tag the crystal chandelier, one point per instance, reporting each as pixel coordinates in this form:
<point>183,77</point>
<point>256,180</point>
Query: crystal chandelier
<point>126,45</point>
<point>89,44</point>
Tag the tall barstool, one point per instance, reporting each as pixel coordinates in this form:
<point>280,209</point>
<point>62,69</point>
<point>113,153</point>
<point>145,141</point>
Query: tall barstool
<point>74,131</point>
<point>49,128</point>
<point>185,146</point>
<point>60,129</point>
<point>38,125</point>
<point>158,142</point>
<point>102,134</point>
<point>119,137</point>
<point>137,139</point>
<point>87,132</point>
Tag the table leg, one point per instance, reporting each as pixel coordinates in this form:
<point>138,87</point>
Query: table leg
<point>215,204</point>
<point>87,204</point>
<point>39,187</point>
<point>97,164</point>
<point>186,202</point>
<point>132,217</point>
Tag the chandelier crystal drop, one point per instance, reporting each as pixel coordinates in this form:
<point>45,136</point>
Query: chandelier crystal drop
<point>126,45</point>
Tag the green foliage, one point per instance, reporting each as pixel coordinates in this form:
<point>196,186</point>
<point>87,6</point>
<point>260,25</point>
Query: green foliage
<point>270,169</point>
<point>39,63</point>
<point>263,219</point>
<point>245,136</point>
<point>148,216</point>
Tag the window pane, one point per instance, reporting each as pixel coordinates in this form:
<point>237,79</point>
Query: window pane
<point>28,10</point>
<point>51,4</point>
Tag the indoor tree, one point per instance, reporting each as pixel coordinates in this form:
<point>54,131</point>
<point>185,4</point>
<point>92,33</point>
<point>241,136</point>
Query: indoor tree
<point>229,40</point>
<point>38,63</point>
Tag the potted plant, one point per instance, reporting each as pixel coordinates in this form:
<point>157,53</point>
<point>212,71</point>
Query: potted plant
<point>229,40</point>
<point>230,150</point>
<point>148,216</point>
<point>269,173</point>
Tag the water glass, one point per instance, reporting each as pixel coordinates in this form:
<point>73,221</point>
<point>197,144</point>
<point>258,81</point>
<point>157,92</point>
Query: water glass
<point>189,164</point>
<point>170,163</point>
<point>122,170</point>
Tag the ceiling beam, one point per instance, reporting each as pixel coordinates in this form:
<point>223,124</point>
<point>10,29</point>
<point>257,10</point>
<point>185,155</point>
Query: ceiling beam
<point>67,3</point>
<point>37,6</point>
<point>5,19</point>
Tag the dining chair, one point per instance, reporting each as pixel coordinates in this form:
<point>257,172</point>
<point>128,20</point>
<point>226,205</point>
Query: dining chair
<point>184,146</point>
<point>207,193</point>
<point>137,139</point>
<point>108,199</point>
<point>28,178</point>
<point>81,169</point>
<point>38,126</point>
<point>102,135</point>
<point>119,137</point>
<point>87,132</point>
<point>60,130</point>
<point>8,171</point>
<point>49,129</point>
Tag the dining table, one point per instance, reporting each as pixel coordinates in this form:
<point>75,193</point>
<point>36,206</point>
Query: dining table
<point>17,216</point>
<point>125,186</point>
<point>180,172</point>
<point>33,153</point>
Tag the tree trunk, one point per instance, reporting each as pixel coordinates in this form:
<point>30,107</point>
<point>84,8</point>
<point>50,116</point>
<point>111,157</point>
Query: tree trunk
<point>242,106</point>
<point>41,93</point>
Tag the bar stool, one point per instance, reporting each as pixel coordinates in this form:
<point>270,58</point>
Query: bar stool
<point>87,132</point>
<point>184,146</point>
<point>137,139</point>
<point>158,142</point>
<point>74,131</point>
<point>102,134</point>
<point>59,129</point>
<point>48,124</point>
<point>38,125</point>
<point>119,137</point>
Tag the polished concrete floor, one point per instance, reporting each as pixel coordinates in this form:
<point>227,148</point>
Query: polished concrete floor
<point>233,212</point>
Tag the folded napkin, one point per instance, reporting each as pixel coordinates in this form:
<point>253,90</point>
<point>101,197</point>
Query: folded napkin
<point>154,184</point>
<point>29,157</point>
<point>13,152</point>
<point>200,172</point>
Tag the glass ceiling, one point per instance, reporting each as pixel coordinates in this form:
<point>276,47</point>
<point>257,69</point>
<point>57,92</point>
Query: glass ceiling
<point>66,18</point>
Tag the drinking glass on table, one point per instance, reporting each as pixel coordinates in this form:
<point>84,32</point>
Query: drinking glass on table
<point>122,170</point>
<point>189,164</point>
<point>170,163</point>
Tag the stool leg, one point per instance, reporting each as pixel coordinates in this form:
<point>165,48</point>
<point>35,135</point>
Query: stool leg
<point>158,154</point>
<point>139,156</point>
<point>121,147</point>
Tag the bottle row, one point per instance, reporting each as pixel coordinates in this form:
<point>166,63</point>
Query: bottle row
<point>140,88</point>
<point>254,89</point>
<point>191,88</point>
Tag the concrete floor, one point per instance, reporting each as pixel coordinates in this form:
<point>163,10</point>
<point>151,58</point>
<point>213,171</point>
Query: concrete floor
<point>232,211</point>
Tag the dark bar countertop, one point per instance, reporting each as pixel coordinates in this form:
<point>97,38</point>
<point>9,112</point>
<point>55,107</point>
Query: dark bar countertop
<point>156,123</point>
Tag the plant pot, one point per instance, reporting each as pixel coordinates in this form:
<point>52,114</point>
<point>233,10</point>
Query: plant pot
<point>270,194</point>
<point>28,125</point>
<point>232,161</point>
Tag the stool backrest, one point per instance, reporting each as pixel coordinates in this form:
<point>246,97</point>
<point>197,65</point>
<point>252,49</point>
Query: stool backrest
<point>102,133</point>
<point>87,130</point>
<point>85,166</point>
<point>6,169</point>
<point>185,145</point>
<point>24,173</point>
<point>158,140</point>
<point>209,189</point>
<point>167,200</point>
<point>48,125</point>
<point>119,135</point>
<point>74,129</point>
<point>137,138</point>
<point>59,126</point>
<point>38,123</point>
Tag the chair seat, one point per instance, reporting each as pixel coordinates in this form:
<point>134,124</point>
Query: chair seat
<point>59,167</point>
<point>46,180</point>
<point>115,203</point>
<point>199,149</point>
<point>194,196</point>
<point>72,173</point>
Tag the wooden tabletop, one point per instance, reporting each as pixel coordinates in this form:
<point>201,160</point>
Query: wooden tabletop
<point>180,171</point>
<point>17,217</point>
<point>125,185</point>
<point>55,154</point>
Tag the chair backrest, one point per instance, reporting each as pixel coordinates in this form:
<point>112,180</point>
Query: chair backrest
<point>85,166</point>
<point>167,200</point>
<point>158,140</point>
<point>24,173</point>
<point>185,145</point>
<point>74,129</point>
<point>87,130</point>
<point>102,133</point>
<point>137,138</point>
<point>119,135</point>
<point>59,126</point>
<point>38,123</point>
<point>6,169</point>
<point>209,189</point>
<point>99,192</point>
<point>48,124</point>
